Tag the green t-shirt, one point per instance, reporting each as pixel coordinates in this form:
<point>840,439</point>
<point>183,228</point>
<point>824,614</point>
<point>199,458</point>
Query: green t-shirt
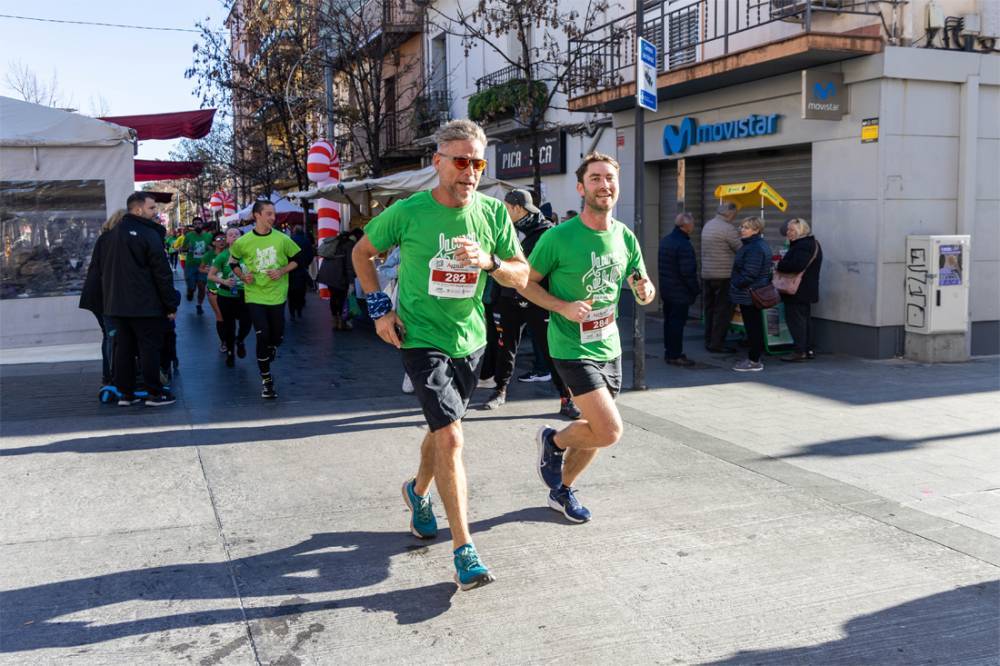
<point>225,271</point>
<point>583,264</point>
<point>263,253</point>
<point>439,302</point>
<point>168,242</point>
<point>206,263</point>
<point>198,244</point>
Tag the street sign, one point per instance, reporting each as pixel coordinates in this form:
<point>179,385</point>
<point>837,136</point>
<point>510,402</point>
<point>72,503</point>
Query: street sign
<point>645,75</point>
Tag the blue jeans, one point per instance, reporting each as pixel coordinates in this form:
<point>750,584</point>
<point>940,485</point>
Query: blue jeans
<point>108,331</point>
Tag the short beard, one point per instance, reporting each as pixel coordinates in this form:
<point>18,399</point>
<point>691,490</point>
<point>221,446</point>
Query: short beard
<point>591,202</point>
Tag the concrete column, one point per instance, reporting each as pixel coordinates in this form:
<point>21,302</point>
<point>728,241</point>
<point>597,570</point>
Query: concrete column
<point>968,133</point>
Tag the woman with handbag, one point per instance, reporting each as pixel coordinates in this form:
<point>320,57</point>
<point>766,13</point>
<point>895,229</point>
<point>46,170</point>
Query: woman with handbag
<point>750,287</point>
<point>797,278</point>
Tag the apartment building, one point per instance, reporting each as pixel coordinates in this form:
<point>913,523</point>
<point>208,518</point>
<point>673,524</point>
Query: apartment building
<point>875,120</point>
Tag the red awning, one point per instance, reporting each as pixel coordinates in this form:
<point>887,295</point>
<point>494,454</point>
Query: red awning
<point>188,124</point>
<point>163,170</point>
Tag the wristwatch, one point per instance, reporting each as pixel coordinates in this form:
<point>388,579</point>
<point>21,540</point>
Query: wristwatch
<point>496,263</point>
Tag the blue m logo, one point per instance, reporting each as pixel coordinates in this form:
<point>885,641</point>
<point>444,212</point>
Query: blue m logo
<point>677,139</point>
<point>823,92</point>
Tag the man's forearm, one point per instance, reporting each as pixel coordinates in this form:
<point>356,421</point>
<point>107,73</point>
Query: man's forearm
<point>537,294</point>
<point>512,273</point>
<point>290,266</point>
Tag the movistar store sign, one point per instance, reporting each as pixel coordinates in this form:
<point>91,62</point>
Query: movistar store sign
<point>677,138</point>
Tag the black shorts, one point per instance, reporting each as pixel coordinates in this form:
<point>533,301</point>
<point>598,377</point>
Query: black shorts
<point>442,384</point>
<point>585,375</point>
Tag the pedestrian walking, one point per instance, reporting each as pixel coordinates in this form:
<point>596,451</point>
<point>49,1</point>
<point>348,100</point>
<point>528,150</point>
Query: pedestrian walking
<point>515,312</point>
<point>447,237</point>
<point>262,260</point>
<point>137,289</point>
<point>587,260</point>
<point>720,241</point>
<point>337,273</point>
<point>299,280</point>
<point>679,287</point>
<point>196,244</point>
<point>803,259</point>
<point>751,270</point>
<point>229,288</point>
<point>218,246</point>
<point>92,299</point>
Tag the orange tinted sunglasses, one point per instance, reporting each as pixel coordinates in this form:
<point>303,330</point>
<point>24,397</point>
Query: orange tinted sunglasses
<point>462,163</point>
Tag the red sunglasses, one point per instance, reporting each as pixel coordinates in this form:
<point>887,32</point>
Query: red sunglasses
<point>462,163</point>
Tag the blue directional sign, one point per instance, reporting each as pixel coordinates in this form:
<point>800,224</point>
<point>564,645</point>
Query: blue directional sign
<point>645,75</point>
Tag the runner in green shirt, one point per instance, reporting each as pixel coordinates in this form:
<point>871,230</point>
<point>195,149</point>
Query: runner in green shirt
<point>218,245</point>
<point>262,259</point>
<point>229,290</point>
<point>196,244</point>
<point>447,238</point>
<point>587,260</point>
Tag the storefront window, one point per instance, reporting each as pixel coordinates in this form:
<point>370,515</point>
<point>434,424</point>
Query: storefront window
<point>48,229</point>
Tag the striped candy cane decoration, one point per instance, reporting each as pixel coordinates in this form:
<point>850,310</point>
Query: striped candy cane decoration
<point>223,202</point>
<point>324,169</point>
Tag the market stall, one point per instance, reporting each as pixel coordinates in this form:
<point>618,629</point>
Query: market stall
<point>61,175</point>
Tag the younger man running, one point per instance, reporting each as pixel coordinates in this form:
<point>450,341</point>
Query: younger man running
<point>447,237</point>
<point>586,259</point>
<point>268,256</point>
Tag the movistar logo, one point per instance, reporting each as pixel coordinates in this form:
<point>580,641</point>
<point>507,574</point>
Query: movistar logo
<point>677,138</point>
<point>823,92</point>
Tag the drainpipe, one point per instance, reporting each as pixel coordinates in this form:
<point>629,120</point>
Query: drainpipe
<point>967,175</point>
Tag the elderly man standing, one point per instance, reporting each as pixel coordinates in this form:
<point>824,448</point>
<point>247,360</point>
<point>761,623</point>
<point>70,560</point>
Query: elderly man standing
<point>678,287</point>
<point>720,241</point>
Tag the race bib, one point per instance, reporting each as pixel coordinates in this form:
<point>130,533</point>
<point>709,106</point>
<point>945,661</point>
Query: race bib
<point>599,325</point>
<point>450,279</point>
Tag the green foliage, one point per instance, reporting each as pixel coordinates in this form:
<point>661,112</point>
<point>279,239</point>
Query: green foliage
<point>506,98</point>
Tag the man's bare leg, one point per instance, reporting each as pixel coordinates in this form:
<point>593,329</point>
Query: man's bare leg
<point>600,427</point>
<point>425,473</point>
<point>449,475</point>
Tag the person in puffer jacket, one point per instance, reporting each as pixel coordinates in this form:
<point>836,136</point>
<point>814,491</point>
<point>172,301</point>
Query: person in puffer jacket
<point>751,270</point>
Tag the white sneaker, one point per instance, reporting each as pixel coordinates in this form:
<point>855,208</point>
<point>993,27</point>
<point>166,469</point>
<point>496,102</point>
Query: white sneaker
<point>487,383</point>
<point>746,365</point>
<point>407,384</point>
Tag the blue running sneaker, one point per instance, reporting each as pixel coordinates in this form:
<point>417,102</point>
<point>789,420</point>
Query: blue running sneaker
<point>470,572</point>
<point>423,524</point>
<point>564,500</point>
<point>550,459</point>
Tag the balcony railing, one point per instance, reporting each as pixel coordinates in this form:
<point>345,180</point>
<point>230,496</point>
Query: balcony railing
<point>501,76</point>
<point>432,110</point>
<point>393,16</point>
<point>698,30</point>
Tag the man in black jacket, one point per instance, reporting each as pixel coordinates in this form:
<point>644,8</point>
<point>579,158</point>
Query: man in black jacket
<point>511,311</point>
<point>678,287</point>
<point>137,286</point>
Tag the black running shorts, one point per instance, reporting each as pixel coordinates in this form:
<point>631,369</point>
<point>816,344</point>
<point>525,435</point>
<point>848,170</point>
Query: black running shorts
<point>585,375</point>
<point>442,384</point>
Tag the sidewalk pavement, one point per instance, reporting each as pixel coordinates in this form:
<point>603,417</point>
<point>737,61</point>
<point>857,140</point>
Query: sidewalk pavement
<point>841,511</point>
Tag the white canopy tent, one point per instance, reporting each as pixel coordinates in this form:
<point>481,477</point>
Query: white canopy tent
<point>387,189</point>
<point>282,206</point>
<point>62,174</point>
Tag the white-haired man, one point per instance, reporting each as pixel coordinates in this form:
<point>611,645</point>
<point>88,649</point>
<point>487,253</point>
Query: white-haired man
<point>447,237</point>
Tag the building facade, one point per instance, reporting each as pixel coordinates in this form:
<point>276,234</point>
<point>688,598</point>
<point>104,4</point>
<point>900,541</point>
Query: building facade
<point>910,145</point>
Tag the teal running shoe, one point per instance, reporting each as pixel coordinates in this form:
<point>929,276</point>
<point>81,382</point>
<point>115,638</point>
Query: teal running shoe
<point>470,572</point>
<point>423,524</point>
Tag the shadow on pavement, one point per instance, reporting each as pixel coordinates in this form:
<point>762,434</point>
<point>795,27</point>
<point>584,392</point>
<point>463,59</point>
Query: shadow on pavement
<point>961,626</point>
<point>166,439</point>
<point>328,562</point>
<point>861,446</point>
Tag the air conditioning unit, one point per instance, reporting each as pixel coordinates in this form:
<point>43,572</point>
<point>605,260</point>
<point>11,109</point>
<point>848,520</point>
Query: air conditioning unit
<point>793,10</point>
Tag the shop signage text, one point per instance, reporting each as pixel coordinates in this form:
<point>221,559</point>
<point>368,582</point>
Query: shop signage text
<point>677,138</point>
<point>823,95</point>
<point>514,158</point>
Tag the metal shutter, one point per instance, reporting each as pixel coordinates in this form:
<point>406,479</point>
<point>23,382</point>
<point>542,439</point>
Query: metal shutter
<point>788,170</point>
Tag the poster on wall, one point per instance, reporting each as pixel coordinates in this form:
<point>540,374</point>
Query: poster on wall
<point>950,266</point>
<point>47,234</point>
